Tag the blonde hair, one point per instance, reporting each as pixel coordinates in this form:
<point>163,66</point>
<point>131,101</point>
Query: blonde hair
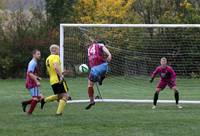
<point>53,46</point>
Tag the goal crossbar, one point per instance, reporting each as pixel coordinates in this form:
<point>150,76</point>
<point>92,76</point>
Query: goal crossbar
<point>134,25</point>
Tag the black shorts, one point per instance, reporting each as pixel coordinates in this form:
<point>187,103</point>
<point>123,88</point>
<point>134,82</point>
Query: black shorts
<point>59,88</point>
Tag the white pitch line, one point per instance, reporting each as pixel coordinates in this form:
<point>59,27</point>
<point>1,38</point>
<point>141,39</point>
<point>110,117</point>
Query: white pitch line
<point>135,101</point>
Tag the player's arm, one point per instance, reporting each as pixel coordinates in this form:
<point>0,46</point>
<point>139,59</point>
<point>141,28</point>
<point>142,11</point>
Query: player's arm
<point>155,72</point>
<point>109,58</point>
<point>34,78</point>
<point>58,70</point>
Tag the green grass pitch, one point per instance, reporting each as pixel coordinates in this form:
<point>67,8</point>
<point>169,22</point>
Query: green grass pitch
<point>105,119</point>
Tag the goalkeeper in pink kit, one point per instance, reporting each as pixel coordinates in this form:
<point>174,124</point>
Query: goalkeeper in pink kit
<point>167,78</point>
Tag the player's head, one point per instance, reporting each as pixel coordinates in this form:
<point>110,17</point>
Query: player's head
<point>36,54</point>
<point>163,62</point>
<point>54,49</point>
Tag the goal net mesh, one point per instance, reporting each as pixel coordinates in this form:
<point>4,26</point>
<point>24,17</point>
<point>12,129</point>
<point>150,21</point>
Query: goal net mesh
<point>136,52</point>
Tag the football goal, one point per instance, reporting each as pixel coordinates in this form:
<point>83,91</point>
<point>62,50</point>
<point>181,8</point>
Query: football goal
<point>136,51</point>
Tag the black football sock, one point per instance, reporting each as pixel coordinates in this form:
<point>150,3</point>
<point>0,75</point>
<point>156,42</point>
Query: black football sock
<point>155,99</point>
<point>176,95</point>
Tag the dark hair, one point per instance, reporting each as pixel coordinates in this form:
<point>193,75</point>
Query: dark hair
<point>34,51</point>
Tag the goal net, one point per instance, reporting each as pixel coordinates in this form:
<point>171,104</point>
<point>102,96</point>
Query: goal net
<point>136,51</point>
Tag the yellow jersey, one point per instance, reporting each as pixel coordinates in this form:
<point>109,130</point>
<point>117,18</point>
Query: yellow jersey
<point>54,78</point>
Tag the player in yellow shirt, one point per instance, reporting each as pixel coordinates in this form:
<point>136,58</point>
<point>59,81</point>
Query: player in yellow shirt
<point>57,81</point>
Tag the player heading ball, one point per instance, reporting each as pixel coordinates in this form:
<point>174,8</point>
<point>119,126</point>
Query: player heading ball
<point>167,78</point>
<point>98,58</point>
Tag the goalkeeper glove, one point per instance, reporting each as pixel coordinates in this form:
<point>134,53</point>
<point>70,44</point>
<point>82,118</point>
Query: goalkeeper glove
<point>151,80</point>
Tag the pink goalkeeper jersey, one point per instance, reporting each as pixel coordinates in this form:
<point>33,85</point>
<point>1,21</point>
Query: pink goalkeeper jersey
<point>95,54</point>
<point>166,74</point>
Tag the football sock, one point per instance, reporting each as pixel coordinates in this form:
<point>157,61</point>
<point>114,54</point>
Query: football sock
<point>90,91</point>
<point>176,95</point>
<point>61,106</point>
<point>33,104</point>
<point>155,98</point>
<point>51,98</point>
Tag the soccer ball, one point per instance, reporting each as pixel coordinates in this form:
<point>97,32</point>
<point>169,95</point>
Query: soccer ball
<point>83,68</point>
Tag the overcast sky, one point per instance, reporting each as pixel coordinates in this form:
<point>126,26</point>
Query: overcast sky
<point>16,4</point>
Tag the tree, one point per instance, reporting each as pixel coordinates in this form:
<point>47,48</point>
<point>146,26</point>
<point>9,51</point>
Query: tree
<point>21,31</point>
<point>186,14</point>
<point>59,11</point>
<point>104,11</point>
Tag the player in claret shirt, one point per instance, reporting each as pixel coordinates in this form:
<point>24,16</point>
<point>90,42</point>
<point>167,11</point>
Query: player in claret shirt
<point>167,78</point>
<point>33,82</point>
<point>98,58</point>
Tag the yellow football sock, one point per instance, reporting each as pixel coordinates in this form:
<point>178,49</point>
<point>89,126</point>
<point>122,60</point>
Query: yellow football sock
<point>51,98</point>
<point>61,106</point>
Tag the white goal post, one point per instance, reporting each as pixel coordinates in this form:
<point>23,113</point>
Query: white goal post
<point>173,26</point>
